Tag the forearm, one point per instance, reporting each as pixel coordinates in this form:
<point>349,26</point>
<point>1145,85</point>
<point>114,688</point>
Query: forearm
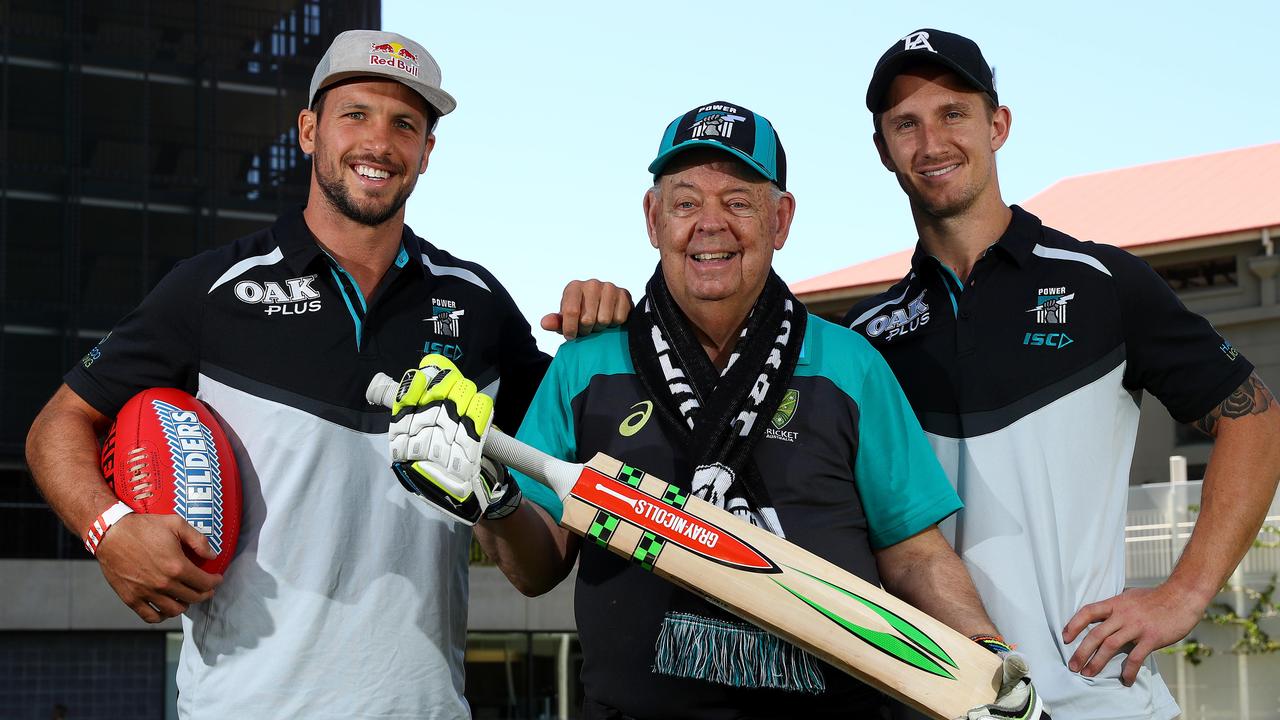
<point>1239,485</point>
<point>62,452</point>
<point>531,550</point>
<point>926,572</point>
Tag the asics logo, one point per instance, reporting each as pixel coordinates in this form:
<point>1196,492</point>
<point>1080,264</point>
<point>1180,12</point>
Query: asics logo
<point>634,422</point>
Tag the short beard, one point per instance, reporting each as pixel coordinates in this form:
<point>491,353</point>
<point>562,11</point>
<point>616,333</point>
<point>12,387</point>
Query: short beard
<point>336,193</point>
<point>951,209</point>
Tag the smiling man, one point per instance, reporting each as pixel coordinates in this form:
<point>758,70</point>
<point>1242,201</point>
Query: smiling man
<point>346,599</point>
<point>1024,353</point>
<point>723,383</point>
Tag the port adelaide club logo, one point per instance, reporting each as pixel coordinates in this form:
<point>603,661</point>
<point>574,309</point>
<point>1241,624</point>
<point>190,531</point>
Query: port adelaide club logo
<point>446,317</point>
<point>1051,305</point>
<point>715,121</point>
<point>1050,309</point>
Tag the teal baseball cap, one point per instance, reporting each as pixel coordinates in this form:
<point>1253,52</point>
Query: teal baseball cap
<point>732,128</point>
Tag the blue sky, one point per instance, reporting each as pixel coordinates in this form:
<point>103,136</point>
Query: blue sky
<point>540,171</point>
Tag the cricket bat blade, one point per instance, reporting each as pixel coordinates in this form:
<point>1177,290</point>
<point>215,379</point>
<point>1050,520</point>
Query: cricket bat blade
<point>856,626</point>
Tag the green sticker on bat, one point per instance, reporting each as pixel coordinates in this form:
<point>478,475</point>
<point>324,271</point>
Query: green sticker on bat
<point>647,550</point>
<point>911,646</point>
<point>602,527</point>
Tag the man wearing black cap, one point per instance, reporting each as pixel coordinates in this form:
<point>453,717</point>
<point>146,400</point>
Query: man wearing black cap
<point>344,599</point>
<point>723,382</point>
<point>1023,352</point>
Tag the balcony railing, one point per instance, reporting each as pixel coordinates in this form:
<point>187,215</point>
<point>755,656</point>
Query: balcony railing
<point>1159,523</point>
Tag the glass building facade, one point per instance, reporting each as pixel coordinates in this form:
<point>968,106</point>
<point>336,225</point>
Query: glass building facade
<point>134,134</point>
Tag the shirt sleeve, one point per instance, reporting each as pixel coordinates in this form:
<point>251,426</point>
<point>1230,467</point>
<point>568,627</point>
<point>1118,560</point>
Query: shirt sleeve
<point>155,345</point>
<point>1172,352</point>
<point>548,426</point>
<point>903,488</point>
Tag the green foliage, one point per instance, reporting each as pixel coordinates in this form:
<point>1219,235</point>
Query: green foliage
<point>1253,639</point>
<point>1193,650</point>
<point>1269,537</point>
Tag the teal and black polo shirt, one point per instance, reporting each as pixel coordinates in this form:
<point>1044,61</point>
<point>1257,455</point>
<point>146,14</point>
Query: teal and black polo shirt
<point>844,460</point>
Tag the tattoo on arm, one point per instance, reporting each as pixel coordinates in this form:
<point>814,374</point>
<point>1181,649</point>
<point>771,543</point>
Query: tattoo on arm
<point>1251,398</point>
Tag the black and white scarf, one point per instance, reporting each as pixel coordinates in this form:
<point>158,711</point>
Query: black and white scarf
<point>719,416</point>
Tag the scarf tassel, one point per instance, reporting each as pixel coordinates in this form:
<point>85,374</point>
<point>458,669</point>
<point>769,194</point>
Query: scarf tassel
<point>734,654</point>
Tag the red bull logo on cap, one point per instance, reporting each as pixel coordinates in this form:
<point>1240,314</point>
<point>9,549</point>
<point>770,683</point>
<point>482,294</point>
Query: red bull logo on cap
<point>393,54</point>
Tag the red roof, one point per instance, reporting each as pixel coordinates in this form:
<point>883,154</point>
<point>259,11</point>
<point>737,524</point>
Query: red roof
<point>1202,196</point>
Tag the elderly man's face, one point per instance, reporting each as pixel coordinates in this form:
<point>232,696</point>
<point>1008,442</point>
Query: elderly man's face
<point>716,225</point>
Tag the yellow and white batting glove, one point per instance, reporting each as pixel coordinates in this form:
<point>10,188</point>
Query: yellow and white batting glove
<point>438,427</point>
<point>1018,699</point>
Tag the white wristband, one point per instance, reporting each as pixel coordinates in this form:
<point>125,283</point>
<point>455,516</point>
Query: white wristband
<point>109,517</point>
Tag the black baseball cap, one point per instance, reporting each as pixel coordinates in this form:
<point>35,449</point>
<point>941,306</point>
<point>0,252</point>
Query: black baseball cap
<point>729,127</point>
<point>955,52</point>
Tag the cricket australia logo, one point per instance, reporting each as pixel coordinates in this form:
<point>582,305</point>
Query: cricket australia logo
<point>715,121</point>
<point>1051,305</point>
<point>917,41</point>
<point>445,317</point>
<point>782,417</point>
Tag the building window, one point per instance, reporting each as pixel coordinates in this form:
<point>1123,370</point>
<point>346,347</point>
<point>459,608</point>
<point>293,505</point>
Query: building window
<point>28,528</point>
<point>523,675</point>
<point>1209,273</point>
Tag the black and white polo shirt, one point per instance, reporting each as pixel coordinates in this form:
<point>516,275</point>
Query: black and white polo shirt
<point>347,597</point>
<point>1027,379</point>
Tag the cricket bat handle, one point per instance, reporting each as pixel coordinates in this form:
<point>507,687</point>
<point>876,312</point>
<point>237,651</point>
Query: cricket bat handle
<point>556,474</point>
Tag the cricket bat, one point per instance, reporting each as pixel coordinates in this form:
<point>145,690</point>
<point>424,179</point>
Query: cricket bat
<point>758,576</point>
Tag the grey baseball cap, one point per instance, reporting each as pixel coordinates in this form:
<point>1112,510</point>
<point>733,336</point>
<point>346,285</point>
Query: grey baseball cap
<point>358,53</point>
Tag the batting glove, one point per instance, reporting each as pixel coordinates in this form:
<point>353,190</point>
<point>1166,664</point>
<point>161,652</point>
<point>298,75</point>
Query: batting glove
<point>1018,699</point>
<point>438,427</point>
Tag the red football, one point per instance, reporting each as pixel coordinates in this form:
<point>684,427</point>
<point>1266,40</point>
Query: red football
<point>166,453</point>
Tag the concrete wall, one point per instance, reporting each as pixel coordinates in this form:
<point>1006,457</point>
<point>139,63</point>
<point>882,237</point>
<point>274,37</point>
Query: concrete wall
<point>1248,315</point>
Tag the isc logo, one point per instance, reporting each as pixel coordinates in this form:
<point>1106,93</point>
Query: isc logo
<point>1056,341</point>
<point>453,351</point>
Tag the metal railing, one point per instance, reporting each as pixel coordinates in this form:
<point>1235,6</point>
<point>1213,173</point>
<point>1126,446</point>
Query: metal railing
<point>1159,522</point>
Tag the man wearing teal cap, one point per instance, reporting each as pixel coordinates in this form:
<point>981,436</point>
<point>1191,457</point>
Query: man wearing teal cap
<point>722,383</point>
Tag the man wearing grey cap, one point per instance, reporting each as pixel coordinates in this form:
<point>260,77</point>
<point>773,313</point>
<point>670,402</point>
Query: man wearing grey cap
<point>345,599</point>
<point>1024,352</point>
<point>840,467</point>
